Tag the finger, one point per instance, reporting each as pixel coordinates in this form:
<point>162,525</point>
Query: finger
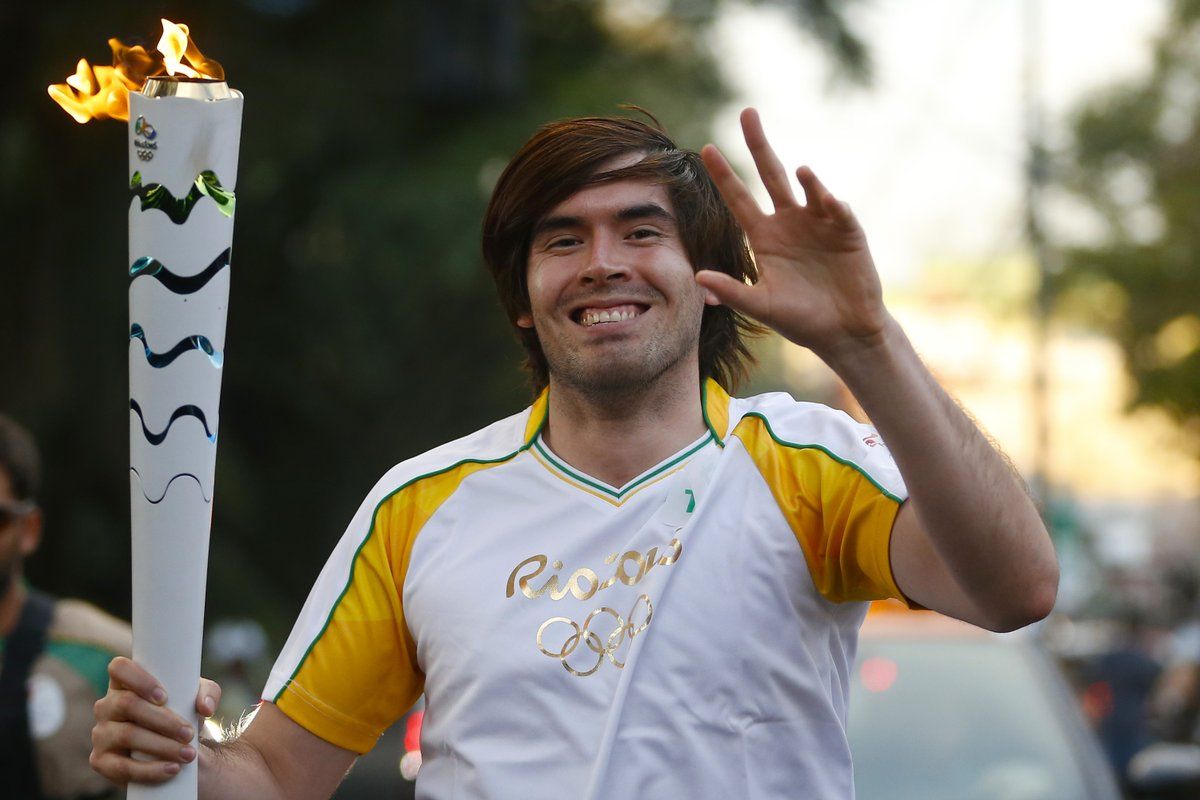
<point>124,673</point>
<point>817,198</point>
<point>208,698</point>
<point>123,770</point>
<point>123,737</point>
<point>774,175</point>
<point>732,292</point>
<point>843,216</point>
<point>122,705</point>
<point>741,202</point>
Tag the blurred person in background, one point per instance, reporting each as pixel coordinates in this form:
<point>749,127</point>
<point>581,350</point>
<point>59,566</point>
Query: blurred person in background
<point>1176,700</point>
<point>1122,683</point>
<point>55,652</point>
<point>751,531</point>
<point>236,652</point>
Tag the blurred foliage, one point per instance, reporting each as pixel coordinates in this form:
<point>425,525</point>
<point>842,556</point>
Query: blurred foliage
<point>363,328</point>
<point>1137,166</point>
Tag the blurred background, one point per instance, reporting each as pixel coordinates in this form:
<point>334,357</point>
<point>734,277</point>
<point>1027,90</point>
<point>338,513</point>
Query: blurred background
<point>1028,173</point>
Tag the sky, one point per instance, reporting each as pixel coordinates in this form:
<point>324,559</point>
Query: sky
<point>930,155</point>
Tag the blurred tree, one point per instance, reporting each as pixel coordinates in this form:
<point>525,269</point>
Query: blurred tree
<point>1137,166</point>
<point>363,328</point>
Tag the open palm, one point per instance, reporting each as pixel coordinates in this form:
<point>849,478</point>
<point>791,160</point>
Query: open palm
<point>817,283</point>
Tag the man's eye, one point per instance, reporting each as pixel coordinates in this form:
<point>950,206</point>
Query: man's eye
<point>645,233</point>
<point>562,241</point>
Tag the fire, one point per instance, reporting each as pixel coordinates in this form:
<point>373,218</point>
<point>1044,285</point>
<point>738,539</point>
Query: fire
<point>99,92</point>
<point>176,45</point>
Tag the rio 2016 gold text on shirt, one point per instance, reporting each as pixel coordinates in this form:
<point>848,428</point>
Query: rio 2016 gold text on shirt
<point>631,567</point>
<point>584,582</point>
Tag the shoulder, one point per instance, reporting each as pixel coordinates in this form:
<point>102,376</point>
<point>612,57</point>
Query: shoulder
<point>84,639</point>
<point>777,423</point>
<point>497,443</point>
<point>81,623</point>
<point>801,423</point>
<point>429,478</point>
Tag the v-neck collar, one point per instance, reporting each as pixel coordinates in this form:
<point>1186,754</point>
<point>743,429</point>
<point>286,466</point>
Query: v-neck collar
<point>612,494</point>
<point>714,405</point>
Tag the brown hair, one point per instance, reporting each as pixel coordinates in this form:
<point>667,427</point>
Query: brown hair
<point>563,157</point>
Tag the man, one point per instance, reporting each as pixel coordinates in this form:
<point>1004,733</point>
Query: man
<point>638,587</point>
<point>54,652</point>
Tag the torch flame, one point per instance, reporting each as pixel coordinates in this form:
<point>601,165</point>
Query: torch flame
<point>103,92</point>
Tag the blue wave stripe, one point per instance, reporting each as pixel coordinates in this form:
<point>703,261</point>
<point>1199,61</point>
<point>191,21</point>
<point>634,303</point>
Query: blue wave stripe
<point>183,411</point>
<point>160,360</point>
<point>167,488</point>
<point>152,267</point>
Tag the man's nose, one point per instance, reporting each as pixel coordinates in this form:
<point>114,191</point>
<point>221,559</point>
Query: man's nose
<point>604,263</point>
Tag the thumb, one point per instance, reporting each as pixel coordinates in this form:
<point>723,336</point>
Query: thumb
<point>208,697</point>
<point>727,290</point>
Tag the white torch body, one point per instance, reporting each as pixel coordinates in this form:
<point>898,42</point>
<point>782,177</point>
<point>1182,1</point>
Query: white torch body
<point>183,155</point>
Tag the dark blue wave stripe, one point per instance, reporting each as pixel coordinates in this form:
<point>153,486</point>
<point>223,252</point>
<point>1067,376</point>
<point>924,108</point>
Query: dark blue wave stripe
<point>153,268</point>
<point>188,343</point>
<point>167,488</point>
<point>183,411</point>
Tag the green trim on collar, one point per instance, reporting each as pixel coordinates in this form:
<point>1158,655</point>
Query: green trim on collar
<point>627,488</point>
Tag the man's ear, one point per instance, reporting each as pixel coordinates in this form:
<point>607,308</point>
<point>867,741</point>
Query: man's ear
<point>525,321</point>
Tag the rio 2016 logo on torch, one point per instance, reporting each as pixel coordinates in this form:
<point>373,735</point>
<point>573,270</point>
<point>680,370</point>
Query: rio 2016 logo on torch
<point>144,138</point>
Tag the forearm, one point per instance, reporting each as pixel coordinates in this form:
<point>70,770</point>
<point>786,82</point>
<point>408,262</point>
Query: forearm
<point>971,504</point>
<point>272,758</point>
<point>236,770</point>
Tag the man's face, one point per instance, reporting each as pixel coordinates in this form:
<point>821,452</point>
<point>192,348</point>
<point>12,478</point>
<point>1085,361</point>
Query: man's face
<point>612,294</point>
<point>20,529</point>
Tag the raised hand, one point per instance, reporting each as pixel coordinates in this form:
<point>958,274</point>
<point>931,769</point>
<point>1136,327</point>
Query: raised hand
<point>817,282</point>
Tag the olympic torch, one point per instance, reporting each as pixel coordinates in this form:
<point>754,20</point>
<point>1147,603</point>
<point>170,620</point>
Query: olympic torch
<point>184,130</point>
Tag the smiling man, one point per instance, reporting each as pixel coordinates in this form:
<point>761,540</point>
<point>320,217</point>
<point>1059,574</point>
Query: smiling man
<point>640,586</point>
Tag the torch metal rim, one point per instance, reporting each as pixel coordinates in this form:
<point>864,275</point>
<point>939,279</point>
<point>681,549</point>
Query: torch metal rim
<point>190,88</point>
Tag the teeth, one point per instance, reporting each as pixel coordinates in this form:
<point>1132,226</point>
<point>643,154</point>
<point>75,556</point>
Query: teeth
<point>594,316</point>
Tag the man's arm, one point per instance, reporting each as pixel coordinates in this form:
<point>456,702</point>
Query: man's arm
<point>969,542</point>
<point>273,759</point>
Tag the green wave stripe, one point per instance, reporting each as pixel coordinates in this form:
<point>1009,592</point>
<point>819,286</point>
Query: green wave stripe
<point>178,209</point>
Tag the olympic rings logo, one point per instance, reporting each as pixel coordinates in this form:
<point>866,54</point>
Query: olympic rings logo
<point>624,628</point>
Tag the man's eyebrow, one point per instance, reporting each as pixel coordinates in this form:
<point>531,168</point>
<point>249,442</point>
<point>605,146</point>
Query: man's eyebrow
<point>644,211</point>
<point>648,210</point>
<point>556,223</point>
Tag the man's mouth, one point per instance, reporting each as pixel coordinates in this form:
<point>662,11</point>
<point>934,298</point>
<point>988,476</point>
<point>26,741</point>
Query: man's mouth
<point>587,317</point>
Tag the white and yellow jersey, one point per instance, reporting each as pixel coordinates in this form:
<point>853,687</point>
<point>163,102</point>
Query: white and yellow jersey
<point>689,634</point>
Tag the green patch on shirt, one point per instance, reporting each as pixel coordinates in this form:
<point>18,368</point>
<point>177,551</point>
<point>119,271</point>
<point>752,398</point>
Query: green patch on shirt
<point>88,660</point>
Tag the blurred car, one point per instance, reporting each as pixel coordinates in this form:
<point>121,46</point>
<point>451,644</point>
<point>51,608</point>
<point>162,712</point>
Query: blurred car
<point>943,710</point>
<point>939,710</point>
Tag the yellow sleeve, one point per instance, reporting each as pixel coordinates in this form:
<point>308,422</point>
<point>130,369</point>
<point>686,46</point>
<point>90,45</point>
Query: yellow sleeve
<point>840,515</point>
<point>360,673</point>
